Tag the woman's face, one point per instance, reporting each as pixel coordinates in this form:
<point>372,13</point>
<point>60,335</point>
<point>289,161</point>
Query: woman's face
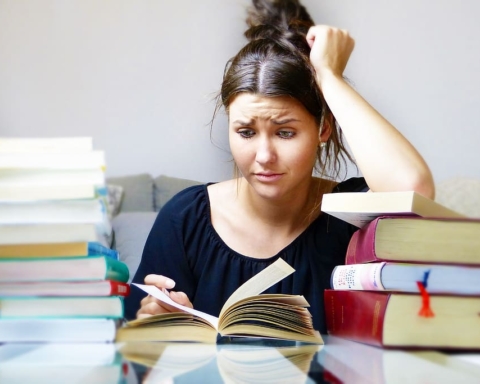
<point>274,143</point>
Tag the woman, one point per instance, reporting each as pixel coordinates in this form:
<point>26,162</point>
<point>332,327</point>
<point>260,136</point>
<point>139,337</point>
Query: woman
<point>286,97</point>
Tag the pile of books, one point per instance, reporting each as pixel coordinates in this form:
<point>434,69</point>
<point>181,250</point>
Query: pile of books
<point>412,273</point>
<point>58,281</point>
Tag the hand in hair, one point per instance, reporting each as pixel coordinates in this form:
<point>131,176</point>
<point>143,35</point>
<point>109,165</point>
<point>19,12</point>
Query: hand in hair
<point>330,50</point>
<point>150,306</point>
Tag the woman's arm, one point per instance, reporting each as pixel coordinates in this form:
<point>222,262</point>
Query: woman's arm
<point>386,158</point>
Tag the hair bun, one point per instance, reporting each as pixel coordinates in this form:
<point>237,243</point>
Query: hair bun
<point>274,19</point>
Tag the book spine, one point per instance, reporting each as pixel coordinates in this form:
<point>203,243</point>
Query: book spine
<point>356,315</point>
<point>358,277</point>
<point>361,248</point>
<point>119,289</point>
<point>116,270</point>
<point>95,249</point>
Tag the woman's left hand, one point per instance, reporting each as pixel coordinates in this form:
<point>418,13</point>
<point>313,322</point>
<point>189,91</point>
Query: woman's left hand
<point>330,50</point>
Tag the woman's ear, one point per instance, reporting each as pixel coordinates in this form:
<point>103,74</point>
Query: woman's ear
<point>326,128</point>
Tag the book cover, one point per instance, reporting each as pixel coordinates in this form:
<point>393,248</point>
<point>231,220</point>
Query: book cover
<point>391,319</point>
<point>50,250</point>
<point>439,279</point>
<point>45,144</point>
<point>47,233</point>
<point>110,307</point>
<point>360,208</point>
<point>416,240</point>
<point>70,160</point>
<point>63,269</point>
<point>65,288</point>
<point>57,330</point>
<point>246,313</point>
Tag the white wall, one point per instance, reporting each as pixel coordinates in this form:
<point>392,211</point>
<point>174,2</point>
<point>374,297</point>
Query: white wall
<point>139,76</point>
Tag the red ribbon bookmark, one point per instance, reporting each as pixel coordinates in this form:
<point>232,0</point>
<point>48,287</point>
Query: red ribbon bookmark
<point>426,310</point>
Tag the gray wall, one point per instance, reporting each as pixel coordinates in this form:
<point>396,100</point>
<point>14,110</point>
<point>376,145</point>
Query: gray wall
<point>140,76</point>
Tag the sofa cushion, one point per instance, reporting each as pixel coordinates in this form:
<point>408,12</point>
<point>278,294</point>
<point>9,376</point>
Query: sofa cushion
<point>131,230</point>
<point>137,192</point>
<point>166,187</point>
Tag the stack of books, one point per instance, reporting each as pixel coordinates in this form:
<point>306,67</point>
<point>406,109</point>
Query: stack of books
<point>58,282</point>
<point>412,273</point>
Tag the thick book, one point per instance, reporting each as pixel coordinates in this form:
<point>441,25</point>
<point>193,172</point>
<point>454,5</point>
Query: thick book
<point>391,319</point>
<point>63,269</point>
<point>383,276</point>
<point>416,240</point>
<point>53,212</point>
<point>45,144</point>
<point>71,160</point>
<point>47,233</point>
<point>58,330</point>
<point>97,363</point>
<point>21,193</point>
<point>246,313</point>
<point>360,208</point>
<point>110,307</point>
<point>65,288</point>
<point>48,250</point>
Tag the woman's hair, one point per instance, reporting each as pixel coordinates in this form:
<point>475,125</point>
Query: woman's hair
<point>276,62</point>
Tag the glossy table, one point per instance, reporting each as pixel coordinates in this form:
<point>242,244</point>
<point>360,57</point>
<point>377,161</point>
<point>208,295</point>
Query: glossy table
<point>338,361</point>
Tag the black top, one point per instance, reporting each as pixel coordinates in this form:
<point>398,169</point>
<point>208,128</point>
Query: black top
<point>184,246</point>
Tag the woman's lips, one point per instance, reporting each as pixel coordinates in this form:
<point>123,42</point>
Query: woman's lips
<point>268,177</point>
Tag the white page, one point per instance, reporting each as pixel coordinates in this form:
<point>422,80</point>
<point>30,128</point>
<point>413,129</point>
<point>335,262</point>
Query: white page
<point>158,294</point>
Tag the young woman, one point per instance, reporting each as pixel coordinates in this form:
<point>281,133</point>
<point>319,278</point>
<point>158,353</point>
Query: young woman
<point>288,107</point>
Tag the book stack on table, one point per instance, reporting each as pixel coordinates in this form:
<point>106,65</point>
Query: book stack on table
<point>412,273</point>
<point>58,282</point>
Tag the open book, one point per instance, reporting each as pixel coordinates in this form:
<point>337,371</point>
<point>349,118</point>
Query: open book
<point>245,314</point>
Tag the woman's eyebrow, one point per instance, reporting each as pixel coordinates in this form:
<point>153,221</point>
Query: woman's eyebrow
<point>243,123</point>
<point>285,121</point>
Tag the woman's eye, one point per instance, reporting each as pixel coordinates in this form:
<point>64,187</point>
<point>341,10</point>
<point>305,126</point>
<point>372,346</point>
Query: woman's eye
<point>286,134</point>
<point>246,133</point>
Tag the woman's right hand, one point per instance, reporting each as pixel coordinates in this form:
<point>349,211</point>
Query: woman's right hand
<point>151,306</point>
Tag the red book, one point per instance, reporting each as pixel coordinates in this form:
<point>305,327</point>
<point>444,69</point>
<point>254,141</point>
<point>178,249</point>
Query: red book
<point>390,319</point>
<point>65,288</point>
<point>416,239</point>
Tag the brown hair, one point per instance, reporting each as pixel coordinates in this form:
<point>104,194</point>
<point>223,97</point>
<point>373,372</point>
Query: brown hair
<point>276,62</point>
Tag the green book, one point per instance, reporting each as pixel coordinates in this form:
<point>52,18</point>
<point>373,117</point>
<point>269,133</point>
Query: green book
<point>63,269</point>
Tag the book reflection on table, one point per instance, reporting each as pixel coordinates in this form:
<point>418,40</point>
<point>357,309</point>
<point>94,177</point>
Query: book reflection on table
<point>236,362</point>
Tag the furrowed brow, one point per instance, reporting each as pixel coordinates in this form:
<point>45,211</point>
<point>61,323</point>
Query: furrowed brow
<point>285,121</point>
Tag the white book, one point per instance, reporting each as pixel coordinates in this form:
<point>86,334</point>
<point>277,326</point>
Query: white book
<point>360,208</point>
<point>72,160</point>
<point>51,212</point>
<point>47,233</point>
<point>10,178</point>
<point>45,145</point>
<point>46,192</point>
<point>57,330</point>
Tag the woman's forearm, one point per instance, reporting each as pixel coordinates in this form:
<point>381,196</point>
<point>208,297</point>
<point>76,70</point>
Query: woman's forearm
<point>385,157</point>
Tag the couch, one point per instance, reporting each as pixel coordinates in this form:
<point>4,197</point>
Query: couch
<point>143,196</point>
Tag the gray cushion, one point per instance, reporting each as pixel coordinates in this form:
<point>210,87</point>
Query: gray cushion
<point>131,231</point>
<point>166,187</point>
<point>137,192</point>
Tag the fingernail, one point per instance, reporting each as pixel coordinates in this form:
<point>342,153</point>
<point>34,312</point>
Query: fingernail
<point>169,283</point>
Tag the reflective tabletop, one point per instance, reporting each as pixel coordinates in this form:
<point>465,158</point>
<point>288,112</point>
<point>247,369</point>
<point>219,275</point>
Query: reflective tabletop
<point>234,361</point>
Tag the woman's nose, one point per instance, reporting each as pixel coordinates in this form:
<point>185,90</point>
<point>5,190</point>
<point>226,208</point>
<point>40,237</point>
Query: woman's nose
<point>266,152</point>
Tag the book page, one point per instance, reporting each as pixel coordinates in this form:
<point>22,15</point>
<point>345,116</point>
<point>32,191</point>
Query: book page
<point>158,294</point>
<point>260,282</point>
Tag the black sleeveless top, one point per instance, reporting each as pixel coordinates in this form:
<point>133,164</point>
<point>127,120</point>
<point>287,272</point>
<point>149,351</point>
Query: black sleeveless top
<point>184,246</point>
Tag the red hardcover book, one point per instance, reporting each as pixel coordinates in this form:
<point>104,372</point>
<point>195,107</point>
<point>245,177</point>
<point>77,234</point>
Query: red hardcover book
<point>65,288</point>
<point>416,239</point>
<point>391,319</point>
